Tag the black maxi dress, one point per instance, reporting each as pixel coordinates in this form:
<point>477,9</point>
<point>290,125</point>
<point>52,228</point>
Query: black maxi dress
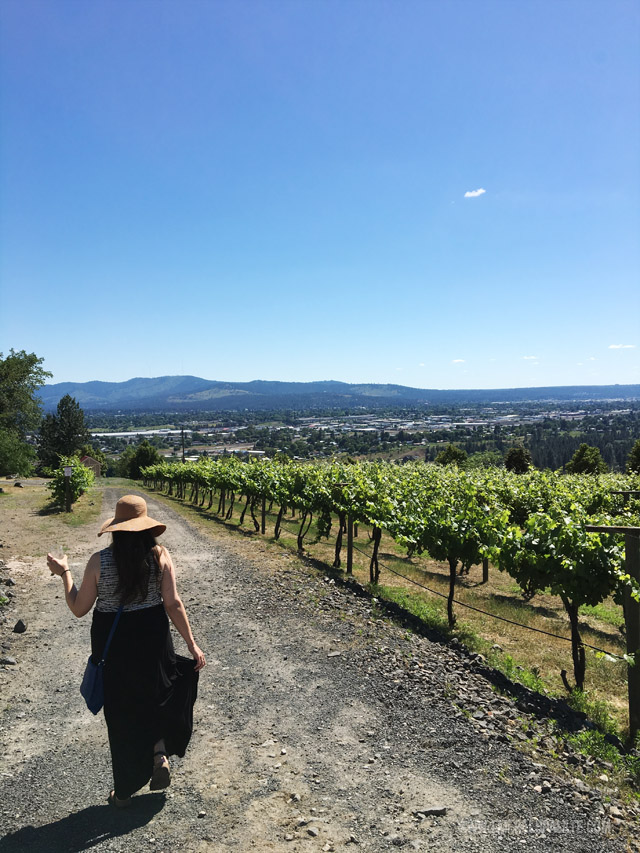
<point>149,691</point>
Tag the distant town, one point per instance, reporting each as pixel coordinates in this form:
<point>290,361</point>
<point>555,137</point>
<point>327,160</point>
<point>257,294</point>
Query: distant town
<point>551,433</point>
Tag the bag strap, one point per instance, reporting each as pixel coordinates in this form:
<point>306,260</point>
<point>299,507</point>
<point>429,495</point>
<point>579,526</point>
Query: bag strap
<point>111,633</point>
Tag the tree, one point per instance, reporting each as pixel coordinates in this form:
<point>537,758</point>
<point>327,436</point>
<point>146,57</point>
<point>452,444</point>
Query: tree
<point>586,460</point>
<point>16,456</point>
<point>451,455</point>
<point>21,375</point>
<point>132,460</point>
<point>123,465</point>
<point>484,459</point>
<point>633,460</point>
<point>517,459</point>
<point>62,434</point>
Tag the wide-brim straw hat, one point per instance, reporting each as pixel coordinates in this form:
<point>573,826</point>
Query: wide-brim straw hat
<point>131,515</point>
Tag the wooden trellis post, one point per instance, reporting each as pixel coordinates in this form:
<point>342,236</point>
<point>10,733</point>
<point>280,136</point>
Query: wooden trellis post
<point>626,494</point>
<point>349,544</point>
<point>631,618</point>
<point>68,471</point>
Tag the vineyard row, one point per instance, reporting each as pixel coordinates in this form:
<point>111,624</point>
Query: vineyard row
<point>531,525</point>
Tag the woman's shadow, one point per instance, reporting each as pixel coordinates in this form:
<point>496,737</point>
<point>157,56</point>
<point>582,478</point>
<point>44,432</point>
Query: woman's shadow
<point>84,829</point>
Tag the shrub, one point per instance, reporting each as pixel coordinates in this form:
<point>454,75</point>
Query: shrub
<point>81,479</point>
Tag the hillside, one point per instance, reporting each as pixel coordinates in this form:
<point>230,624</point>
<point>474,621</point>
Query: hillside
<point>321,723</point>
<point>191,393</point>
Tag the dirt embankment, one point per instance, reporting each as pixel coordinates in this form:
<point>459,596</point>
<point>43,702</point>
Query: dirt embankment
<point>320,724</point>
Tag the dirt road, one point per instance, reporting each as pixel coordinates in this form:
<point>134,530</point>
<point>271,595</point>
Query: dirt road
<point>320,725</point>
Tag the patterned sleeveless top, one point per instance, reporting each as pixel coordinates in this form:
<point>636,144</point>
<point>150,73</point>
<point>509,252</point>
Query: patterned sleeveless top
<point>109,601</point>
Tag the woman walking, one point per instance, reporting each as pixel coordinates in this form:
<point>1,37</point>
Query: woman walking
<point>148,692</point>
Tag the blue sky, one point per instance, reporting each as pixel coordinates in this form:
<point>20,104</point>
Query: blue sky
<point>290,190</point>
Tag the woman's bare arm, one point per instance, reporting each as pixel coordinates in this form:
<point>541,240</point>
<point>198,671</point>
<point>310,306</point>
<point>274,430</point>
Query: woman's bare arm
<point>174,606</point>
<point>80,601</point>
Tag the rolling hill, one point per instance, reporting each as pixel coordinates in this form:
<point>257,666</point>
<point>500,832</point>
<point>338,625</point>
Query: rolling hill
<point>183,393</point>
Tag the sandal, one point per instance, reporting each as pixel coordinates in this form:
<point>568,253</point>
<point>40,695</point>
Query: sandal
<point>161,777</point>
<point>118,803</point>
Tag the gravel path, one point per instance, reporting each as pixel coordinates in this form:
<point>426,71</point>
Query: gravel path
<point>321,725</point>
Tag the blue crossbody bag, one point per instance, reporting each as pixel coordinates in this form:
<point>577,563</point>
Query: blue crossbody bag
<point>92,687</point>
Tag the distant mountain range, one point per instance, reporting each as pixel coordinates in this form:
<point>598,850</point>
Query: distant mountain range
<point>183,393</point>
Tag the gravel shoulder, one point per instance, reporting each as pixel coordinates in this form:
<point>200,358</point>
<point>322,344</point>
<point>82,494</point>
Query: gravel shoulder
<point>320,724</point>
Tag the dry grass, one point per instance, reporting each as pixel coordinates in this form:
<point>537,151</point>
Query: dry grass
<point>32,525</point>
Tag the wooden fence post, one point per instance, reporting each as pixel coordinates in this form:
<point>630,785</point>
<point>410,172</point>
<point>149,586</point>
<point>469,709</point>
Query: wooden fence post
<point>349,544</point>
<point>263,520</point>
<point>632,622</point>
<point>631,618</point>
<point>68,470</point>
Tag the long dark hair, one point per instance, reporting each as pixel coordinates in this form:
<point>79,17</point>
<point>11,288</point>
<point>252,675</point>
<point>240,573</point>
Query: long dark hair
<point>135,563</point>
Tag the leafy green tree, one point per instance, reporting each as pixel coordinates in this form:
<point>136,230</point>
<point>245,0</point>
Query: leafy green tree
<point>133,459</point>
<point>484,459</point>
<point>16,456</point>
<point>586,460</point>
<point>123,466</point>
<point>62,434</point>
<point>633,460</point>
<point>451,455</point>
<point>21,375</point>
<point>517,459</point>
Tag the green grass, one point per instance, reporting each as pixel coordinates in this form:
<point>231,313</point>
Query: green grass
<point>506,664</point>
<point>594,743</point>
<point>431,612</point>
<point>595,709</point>
<point>604,612</point>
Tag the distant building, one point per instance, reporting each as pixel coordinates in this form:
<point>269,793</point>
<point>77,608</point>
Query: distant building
<point>90,462</point>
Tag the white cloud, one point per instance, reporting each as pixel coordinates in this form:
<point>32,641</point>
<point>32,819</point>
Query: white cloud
<point>458,361</point>
<point>421,364</point>
<point>622,346</point>
<point>529,357</point>
<point>591,358</point>
<point>474,193</point>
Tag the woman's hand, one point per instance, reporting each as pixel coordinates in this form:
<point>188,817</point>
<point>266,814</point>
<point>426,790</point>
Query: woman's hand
<point>198,656</point>
<point>57,566</point>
